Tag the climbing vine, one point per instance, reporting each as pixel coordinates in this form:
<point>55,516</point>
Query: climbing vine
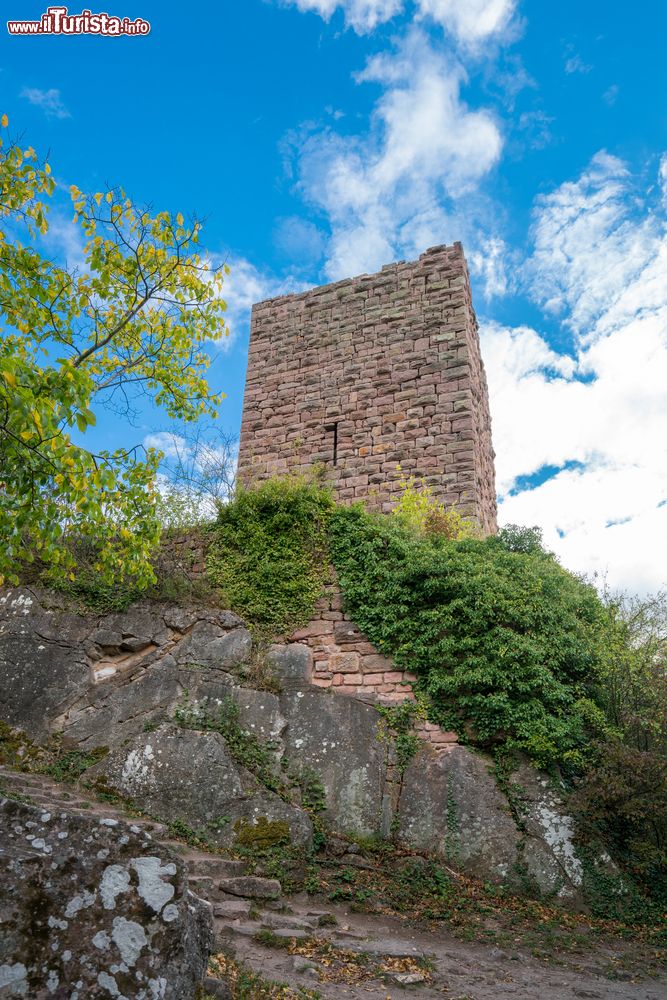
<point>268,556</point>
<point>506,643</point>
<point>400,721</point>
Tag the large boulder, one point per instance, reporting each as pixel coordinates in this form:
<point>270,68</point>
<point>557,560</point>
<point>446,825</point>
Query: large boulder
<point>338,739</point>
<point>190,776</point>
<point>93,908</point>
<point>451,806</point>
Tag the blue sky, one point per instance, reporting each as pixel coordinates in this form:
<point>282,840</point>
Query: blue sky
<point>322,139</point>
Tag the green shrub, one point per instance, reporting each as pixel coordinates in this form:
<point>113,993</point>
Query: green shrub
<point>417,508</point>
<point>505,642</point>
<point>268,555</point>
<point>622,802</point>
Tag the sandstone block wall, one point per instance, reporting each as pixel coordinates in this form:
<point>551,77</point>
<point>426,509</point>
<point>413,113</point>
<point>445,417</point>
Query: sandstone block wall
<point>182,554</point>
<point>344,660</point>
<point>371,373</point>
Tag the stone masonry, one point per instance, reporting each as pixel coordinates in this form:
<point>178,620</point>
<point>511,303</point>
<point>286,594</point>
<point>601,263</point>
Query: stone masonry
<point>341,657</point>
<point>371,374</point>
<point>344,660</point>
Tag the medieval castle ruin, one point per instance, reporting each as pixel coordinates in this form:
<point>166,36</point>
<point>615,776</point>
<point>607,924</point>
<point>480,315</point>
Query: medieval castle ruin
<point>379,378</point>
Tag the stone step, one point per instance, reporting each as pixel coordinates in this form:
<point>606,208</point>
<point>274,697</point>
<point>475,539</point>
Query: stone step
<point>250,886</point>
<point>381,946</point>
<point>233,909</point>
<point>288,933</point>
<point>35,792</point>
<point>69,805</point>
<point>226,927</point>
<point>342,935</point>
<point>287,921</point>
<point>251,928</point>
<point>214,867</point>
<point>208,888</point>
<point>323,920</point>
<point>7,773</point>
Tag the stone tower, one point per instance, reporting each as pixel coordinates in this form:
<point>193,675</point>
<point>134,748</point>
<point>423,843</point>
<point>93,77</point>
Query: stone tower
<point>371,373</point>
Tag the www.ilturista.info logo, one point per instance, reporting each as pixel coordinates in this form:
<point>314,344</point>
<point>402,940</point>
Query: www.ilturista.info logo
<point>57,21</point>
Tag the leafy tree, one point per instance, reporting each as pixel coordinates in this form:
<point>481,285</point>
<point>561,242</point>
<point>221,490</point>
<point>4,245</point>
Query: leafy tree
<point>135,317</point>
<point>622,803</point>
<point>622,799</point>
<point>634,667</point>
<point>198,474</point>
<point>516,538</point>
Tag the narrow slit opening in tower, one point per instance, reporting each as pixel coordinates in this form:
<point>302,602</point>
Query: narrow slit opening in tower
<point>333,427</point>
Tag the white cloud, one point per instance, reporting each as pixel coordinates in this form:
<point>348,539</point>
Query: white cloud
<point>395,190</point>
<point>470,21</point>
<point>662,176</point>
<point>602,520</point>
<point>600,415</point>
<point>170,444</point>
<point>362,15</point>
<point>575,64</point>
<point>491,261</point>
<point>536,128</point>
<point>48,100</point>
<point>66,240</point>
<point>590,250</point>
<point>610,94</point>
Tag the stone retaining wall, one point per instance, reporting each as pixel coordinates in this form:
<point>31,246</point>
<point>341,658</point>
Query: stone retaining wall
<point>182,554</point>
<point>343,659</point>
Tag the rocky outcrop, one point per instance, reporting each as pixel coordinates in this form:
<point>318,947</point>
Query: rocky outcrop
<point>181,774</point>
<point>451,805</point>
<point>340,740</point>
<point>93,907</point>
<point>118,681</point>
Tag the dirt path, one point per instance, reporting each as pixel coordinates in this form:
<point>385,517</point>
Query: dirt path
<point>453,969</point>
<point>324,949</point>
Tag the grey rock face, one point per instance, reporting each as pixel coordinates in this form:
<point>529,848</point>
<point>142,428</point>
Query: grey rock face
<point>188,775</point>
<point>99,680</point>
<point>208,646</point>
<point>292,664</point>
<point>260,714</point>
<point>337,739</point>
<point>43,666</point>
<point>451,806</point>
<point>549,855</point>
<point>117,714</point>
<point>106,680</point>
<point>93,908</point>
